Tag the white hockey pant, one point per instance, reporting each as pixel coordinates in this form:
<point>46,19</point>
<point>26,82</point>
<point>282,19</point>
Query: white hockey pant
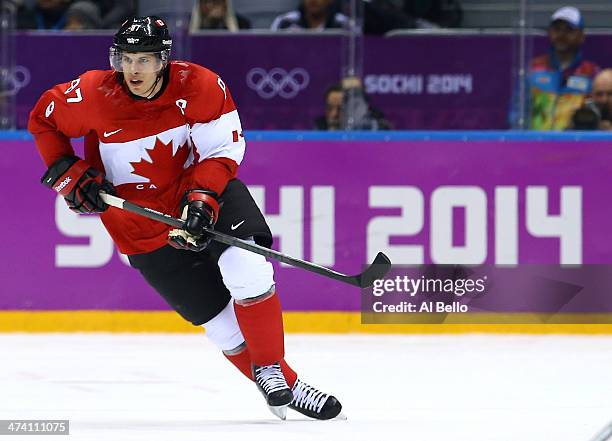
<point>247,276</point>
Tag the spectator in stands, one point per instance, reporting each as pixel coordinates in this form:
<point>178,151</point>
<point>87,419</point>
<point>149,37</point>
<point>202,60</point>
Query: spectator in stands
<point>115,12</point>
<point>217,14</point>
<point>602,97</point>
<point>83,15</point>
<point>87,14</point>
<point>333,103</point>
<point>557,83</point>
<point>346,106</point>
<point>261,13</point>
<point>440,13</point>
<point>47,14</point>
<point>312,15</point>
<point>382,16</point>
<point>596,114</point>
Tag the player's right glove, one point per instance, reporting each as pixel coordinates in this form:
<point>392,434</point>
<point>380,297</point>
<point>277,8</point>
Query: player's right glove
<point>79,183</point>
<point>200,209</point>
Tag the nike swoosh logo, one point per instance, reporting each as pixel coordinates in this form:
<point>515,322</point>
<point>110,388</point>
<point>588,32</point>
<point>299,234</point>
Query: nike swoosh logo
<point>233,227</point>
<point>107,134</point>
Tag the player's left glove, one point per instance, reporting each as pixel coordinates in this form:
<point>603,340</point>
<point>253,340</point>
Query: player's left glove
<point>79,183</point>
<point>200,209</point>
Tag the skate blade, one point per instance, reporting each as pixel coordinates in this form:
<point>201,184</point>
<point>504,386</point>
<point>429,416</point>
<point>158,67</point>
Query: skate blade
<point>279,411</point>
<point>341,416</point>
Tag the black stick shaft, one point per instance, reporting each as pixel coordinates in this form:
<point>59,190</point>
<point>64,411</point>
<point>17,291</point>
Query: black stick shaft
<point>366,278</point>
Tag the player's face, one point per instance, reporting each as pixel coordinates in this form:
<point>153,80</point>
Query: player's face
<point>316,7</point>
<point>140,71</point>
<point>602,92</point>
<point>213,8</point>
<point>332,109</point>
<point>564,37</point>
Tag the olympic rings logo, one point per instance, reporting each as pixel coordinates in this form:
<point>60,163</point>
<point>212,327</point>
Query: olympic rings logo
<point>12,81</point>
<point>277,82</point>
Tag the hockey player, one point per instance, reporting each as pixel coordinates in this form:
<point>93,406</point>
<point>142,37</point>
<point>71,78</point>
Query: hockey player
<point>166,135</point>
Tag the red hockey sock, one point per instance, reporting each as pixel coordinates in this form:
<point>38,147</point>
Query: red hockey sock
<point>288,373</point>
<point>242,361</point>
<point>261,323</point>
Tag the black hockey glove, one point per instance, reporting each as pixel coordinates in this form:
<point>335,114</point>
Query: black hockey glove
<point>200,209</point>
<point>79,183</point>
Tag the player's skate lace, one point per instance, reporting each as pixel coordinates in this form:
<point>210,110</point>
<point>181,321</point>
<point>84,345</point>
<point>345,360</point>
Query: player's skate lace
<point>270,378</point>
<point>272,384</point>
<point>313,403</point>
<point>307,397</point>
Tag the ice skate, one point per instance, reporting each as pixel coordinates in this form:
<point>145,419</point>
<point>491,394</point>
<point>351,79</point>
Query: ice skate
<point>313,403</point>
<point>272,384</point>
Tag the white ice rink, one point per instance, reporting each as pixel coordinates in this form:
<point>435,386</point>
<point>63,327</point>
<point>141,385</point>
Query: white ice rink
<point>423,388</point>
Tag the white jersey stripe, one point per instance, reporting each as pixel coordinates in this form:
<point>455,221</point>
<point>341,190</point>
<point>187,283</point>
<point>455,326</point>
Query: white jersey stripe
<point>117,156</point>
<point>215,139</point>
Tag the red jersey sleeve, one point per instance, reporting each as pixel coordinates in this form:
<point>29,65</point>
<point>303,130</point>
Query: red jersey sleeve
<point>58,116</point>
<point>216,131</point>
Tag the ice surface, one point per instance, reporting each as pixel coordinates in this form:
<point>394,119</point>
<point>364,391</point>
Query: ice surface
<point>424,388</point>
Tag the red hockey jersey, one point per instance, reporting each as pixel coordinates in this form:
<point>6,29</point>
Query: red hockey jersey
<point>189,136</point>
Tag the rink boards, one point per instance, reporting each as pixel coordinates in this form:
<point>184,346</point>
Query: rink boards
<point>468,198</point>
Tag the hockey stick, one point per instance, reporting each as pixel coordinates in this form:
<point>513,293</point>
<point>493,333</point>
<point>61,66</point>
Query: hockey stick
<point>376,270</point>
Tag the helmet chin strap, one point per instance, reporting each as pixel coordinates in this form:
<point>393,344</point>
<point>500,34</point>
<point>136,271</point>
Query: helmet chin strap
<point>151,90</point>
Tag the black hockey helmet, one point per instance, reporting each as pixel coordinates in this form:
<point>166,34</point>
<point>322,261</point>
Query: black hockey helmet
<point>141,34</point>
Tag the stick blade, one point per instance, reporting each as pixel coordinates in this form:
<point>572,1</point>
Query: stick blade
<point>377,270</point>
